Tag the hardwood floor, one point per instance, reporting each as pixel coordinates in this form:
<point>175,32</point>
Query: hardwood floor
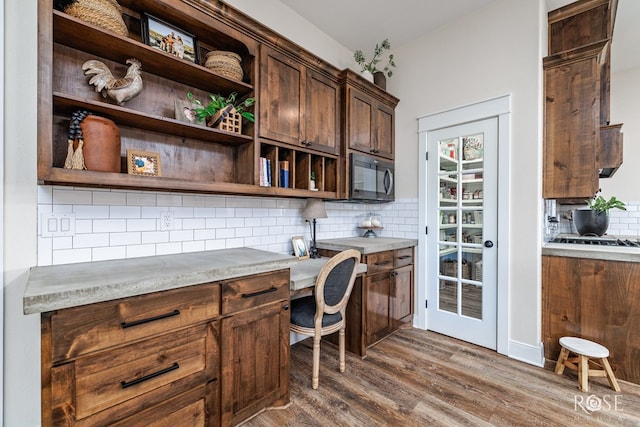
<point>420,378</point>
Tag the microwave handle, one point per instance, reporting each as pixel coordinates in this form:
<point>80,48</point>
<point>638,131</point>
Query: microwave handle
<point>388,181</point>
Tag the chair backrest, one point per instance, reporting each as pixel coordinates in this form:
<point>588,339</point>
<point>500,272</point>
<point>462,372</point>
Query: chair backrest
<point>334,283</point>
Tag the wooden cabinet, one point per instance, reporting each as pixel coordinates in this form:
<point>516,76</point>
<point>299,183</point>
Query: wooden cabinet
<point>381,301</point>
<point>597,300</point>
<point>576,82</point>
<point>255,345</point>
<point>115,361</point>
<point>301,107</point>
<point>205,355</point>
<point>369,117</point>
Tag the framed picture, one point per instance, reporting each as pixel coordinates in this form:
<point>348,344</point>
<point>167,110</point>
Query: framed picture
<point>300,247</point>
<point>169,39</point>
<point>184,112</point>
<point>143,163</point>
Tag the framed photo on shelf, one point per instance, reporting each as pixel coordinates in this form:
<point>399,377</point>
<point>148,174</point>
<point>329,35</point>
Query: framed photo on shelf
<point>300,248</point>
<point>143,163</point>
<point>169,39</point>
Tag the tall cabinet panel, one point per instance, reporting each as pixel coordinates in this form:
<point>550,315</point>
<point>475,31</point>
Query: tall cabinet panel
<point>322,113</point>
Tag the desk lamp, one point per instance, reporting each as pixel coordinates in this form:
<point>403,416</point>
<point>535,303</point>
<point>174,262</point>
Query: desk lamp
<point>312,210</point>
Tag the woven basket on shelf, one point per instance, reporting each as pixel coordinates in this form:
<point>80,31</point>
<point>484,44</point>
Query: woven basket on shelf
<point>105,14</point>
<point>449,268</point>
<point>227,64</point>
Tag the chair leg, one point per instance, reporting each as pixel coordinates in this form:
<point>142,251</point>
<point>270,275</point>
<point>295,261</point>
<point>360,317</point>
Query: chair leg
<point>612,378</point>
<point>564,353</point>
<point>583,372</point>
<point>316,362</point>
<point>341,345</point>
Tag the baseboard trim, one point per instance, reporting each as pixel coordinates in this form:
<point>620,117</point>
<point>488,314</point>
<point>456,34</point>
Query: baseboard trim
<point>531,354</point>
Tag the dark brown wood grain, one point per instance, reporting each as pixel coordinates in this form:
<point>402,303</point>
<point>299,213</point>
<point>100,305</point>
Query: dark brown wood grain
<point>597,300</point>
<point>420,378</point>
<point>252,291</point>
<point>580,23</point>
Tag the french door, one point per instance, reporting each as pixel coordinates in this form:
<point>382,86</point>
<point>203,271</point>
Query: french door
<point>462,231</point>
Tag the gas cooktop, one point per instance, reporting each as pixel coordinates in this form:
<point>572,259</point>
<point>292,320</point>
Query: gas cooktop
<point>597,241</point>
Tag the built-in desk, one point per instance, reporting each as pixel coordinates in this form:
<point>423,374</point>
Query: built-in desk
<point>304,273</point>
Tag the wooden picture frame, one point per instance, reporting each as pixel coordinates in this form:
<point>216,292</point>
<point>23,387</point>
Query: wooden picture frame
<point>170,39</point>
<point>143,163</point>
<point>300,248</point>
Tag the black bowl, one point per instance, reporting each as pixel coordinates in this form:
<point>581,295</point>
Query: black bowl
<point>590,222</point>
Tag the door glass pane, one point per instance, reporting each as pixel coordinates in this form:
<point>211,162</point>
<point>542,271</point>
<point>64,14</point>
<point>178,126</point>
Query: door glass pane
<point>460,238</point>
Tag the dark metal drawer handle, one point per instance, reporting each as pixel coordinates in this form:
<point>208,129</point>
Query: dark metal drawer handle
<point>383,263</point>
<point>404,256</point>
<point>264,291</point>
<point>126,325</point>
<point>126,384</point>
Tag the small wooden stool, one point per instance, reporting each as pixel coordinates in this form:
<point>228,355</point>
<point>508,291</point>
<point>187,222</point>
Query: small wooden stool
<point>585,350</point>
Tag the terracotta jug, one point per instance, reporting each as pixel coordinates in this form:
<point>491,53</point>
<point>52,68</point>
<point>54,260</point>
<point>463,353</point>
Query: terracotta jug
<point>101,144</point>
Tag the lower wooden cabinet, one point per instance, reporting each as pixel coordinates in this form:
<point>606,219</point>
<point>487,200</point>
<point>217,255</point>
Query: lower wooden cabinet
<point>381,300</point>
<point>205,355</point>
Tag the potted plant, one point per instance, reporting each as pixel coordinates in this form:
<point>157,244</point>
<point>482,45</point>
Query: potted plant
<point>219,108</point>
<point>372,66</point>
<point>594,219</point>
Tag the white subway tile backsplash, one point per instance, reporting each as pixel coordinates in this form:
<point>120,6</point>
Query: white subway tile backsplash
<point>126,224</point>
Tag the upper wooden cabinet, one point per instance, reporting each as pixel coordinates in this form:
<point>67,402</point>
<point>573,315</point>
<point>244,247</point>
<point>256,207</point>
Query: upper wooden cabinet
<point>578,144</point>
<point>299,106</point>
<point>369,118</point>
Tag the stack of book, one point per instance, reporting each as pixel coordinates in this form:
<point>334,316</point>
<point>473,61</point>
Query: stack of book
<point>265,172</point>
<point>284,174</point>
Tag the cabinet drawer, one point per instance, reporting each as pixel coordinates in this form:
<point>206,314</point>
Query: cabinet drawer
<point>402,257</point>
<point>82,330</point>
<point>124,381</point>
<point>255,290</point>
<point>380,261</point>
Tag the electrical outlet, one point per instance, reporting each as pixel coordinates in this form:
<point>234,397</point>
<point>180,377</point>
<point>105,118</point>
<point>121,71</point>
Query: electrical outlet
<point>58,224</point>
<point>166,221</point>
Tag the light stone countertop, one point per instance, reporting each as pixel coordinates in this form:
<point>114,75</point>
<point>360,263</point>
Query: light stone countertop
<point>607,253</point>
<point>366,245</point>
<point>62,286</point>
<point>305,272</point>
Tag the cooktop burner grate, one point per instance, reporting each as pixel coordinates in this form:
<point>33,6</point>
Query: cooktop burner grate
<point>597,241</point>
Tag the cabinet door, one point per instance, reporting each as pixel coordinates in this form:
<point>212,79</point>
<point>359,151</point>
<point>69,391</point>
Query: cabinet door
<point>255,361</point>
<point>384,125</point>
<point>572,124</point>
<point>281,97</point>
<point>401,299</point>
<point>322,113</point>
<point>378,287</point>
<point>360,121</point>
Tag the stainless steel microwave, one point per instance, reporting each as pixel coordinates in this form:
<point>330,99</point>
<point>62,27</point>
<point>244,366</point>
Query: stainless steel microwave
<point>372,179</point>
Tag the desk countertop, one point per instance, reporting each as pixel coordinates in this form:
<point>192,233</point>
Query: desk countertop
<point>305,272</point>
<point>366,245</point>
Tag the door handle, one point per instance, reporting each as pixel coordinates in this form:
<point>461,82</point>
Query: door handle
<point>488,244</point>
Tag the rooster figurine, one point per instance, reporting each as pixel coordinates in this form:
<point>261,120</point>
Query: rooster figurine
<point>120,90</point>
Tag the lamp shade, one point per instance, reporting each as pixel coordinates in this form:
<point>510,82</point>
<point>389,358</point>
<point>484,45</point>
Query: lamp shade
<point>314,209</point>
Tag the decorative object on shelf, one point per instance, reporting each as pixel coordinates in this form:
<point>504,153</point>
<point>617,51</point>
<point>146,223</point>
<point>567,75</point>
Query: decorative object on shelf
<point>594,219</point>
<point>472,147</point>
<point>143,163</point>
<point>105,14</point>
<point>169,39</point>
<point>370,222</point>
<point>372,65</point>
<point>226,64</point>
<point>93,143</point>
<point>314,209</point>
<point>299,247</point>
<point>185,112</point>
<point>219,108</point>
<point>312,182</point>
<point>120,90</point>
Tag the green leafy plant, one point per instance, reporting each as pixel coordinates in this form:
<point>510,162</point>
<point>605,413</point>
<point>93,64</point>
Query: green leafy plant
<point>218,102</point>
<point>372,66</point>
<point>600,204</point>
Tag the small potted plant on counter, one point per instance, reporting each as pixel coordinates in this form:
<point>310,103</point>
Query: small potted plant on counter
<point>594,219</point>
<point>371,67</point>
<point>220,110</point>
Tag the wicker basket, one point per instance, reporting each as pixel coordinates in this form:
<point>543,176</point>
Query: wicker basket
<point>106,14</point>
<point>449,267</point>
<point>226,64</point>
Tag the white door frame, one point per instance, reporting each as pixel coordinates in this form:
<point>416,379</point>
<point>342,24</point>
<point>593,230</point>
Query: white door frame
<point>500,108</point>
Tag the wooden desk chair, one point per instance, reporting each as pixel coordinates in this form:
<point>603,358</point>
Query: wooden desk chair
<point>324,312</point>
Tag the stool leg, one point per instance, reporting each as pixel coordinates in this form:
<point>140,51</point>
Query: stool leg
<point>583,372</point>
<point>612,378</point>
<point>564,353</point>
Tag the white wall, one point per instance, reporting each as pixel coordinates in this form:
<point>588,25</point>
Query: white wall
<point>491,53</point>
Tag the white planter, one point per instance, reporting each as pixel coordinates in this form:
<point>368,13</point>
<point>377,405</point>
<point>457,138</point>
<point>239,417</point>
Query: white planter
<point>367,75</point>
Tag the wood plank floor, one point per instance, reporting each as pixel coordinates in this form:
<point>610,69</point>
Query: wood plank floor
<point>420,378</point>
